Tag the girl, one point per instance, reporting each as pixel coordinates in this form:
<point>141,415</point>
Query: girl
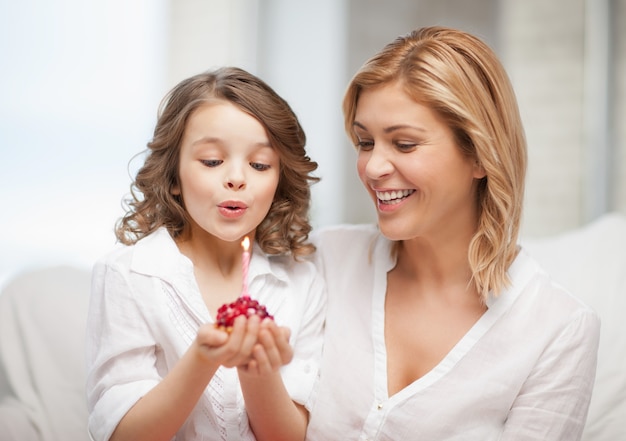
<point>227,160</point>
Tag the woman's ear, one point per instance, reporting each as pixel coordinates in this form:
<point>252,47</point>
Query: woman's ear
<point>175,190</point>
<point>479,170</point>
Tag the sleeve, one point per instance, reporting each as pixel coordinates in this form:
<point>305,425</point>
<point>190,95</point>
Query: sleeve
<point>301,374</point>
<point>553,402</point>
<point>120,351</point>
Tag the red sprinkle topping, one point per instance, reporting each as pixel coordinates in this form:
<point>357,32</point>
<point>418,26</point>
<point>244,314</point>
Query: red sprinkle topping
<point>227,313</point>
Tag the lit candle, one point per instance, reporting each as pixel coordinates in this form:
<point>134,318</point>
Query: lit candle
<point>245,264</point>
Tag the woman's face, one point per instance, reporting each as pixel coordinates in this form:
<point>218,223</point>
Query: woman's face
<point>409,161</point>
<point>228,171</point>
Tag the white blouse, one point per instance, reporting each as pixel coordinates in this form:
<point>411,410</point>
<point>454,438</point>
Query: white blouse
<point>144,313</point>
<point>524,371</point>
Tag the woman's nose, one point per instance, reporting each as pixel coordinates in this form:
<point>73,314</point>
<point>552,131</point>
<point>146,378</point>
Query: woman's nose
<point>378,164</point>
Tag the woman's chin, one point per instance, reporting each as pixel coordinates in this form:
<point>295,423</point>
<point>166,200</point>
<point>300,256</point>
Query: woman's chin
<point>391,233</point>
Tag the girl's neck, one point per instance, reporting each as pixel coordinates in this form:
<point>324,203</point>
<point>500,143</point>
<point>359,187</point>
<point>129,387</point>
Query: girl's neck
<point>217,267</point>
<point>211,254</point>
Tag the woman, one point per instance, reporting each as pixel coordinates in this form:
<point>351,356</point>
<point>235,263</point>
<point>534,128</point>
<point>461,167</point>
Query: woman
<point>439,326</point>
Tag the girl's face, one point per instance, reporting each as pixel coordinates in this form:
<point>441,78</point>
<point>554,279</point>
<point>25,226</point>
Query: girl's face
<point>411,166</point>
<point>228,171</point>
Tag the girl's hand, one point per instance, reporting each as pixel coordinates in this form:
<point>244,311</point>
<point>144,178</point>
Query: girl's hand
<point>226,349</point>
<point>271,352</point>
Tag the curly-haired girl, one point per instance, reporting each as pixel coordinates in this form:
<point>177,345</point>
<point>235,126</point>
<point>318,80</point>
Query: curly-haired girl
<point>227,160</point>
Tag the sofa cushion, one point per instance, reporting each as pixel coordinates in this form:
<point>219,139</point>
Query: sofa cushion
<point>42,363</point>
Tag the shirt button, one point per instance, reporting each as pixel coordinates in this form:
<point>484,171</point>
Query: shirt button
<point>379,406</point>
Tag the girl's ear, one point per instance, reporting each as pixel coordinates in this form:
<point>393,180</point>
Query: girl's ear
<point>175,190</point>
<point>479,170</point>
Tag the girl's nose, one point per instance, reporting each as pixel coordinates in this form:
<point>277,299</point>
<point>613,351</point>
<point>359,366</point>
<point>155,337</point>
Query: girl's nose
<point>235,179</point>
<point>236,184</point>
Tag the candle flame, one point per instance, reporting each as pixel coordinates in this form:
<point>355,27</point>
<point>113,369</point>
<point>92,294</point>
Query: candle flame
<point>245,243</point>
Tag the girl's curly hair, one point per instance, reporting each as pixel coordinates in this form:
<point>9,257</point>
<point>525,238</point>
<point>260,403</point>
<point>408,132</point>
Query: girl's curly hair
<point>151,203</point>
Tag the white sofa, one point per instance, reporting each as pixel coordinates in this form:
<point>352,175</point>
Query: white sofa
<point>43,316</point>
<point>42,320</point>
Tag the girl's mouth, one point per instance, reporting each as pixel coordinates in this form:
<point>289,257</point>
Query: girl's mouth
<point>232,209</point>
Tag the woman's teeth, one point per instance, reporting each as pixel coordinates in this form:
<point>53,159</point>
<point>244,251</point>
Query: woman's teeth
<point>393,197</point>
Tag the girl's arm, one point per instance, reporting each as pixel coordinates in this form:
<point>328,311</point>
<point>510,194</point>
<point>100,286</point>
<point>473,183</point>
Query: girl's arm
<point>160,413</point>
<point>272,413</point>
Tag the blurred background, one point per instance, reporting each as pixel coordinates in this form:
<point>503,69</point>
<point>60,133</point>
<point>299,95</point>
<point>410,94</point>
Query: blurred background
<point>81,80</point>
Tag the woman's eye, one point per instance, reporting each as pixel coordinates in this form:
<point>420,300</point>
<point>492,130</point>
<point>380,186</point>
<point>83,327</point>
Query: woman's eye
<point>405,146</point>
<point>365,145</point>
<point>259,167</point>
<point>211,162</point>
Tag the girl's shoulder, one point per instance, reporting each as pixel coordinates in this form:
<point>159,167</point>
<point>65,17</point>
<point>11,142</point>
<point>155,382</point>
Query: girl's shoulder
<point>119,255</point>
<point>150,254</point>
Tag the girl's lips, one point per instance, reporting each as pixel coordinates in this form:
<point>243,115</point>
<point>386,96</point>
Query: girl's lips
<point>232,209</point>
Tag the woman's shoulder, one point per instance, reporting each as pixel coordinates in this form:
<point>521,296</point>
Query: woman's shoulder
<point>345,235</point>
<point>552,299</point>
<point>356,246</point>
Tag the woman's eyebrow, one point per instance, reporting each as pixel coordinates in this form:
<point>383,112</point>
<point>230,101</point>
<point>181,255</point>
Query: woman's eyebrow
<point>392,128</point>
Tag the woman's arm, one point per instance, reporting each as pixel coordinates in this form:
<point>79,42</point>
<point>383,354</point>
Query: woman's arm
<point>554,400</point>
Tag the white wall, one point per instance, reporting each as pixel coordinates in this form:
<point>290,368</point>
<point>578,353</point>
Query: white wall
<point>80,83</point>
<point>205,34</point>
<point>302,55</point>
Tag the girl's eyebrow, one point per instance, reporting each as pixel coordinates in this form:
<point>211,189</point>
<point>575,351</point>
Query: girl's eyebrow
<point>212,139</point>
<point>205,140</point>
<point>359,125</point>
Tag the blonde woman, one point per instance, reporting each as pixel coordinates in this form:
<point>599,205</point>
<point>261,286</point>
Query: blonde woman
<point>439,326</point>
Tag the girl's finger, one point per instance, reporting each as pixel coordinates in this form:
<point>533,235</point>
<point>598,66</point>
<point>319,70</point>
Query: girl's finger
<point>271,352</point>
<point>251,335</point>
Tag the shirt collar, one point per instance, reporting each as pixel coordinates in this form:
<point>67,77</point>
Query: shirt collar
<point>382,250</point>
<point>157,255</point>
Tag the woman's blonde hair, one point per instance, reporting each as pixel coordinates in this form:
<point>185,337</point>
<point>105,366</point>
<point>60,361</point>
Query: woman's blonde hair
<point>458,76</point>
<point>151,204</point>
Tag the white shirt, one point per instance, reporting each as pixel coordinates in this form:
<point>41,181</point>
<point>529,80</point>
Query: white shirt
<point>144,313</point>
<point>524,371</point>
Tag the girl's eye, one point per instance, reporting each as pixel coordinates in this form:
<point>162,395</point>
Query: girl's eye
<point>211,162</point>
<point>365,145</point>
<point>259,167</point>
